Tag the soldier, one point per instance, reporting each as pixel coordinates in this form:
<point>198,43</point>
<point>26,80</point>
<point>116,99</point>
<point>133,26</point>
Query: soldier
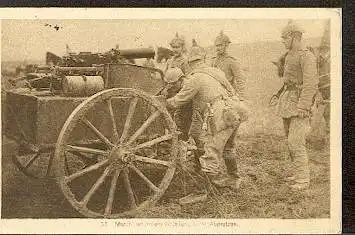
<point>324,76</point>
<point>178,60</point>
<point>232,71</point>
<point>295,101</point>
<point>182,115</point>
<point>173,84</point>
<point>215,115</point>
<point>228,64</point>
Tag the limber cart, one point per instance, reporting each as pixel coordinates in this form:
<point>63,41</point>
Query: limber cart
<point>101,132</point>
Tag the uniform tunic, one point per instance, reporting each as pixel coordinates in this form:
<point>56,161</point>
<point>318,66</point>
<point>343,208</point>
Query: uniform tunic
<point>201,88</point>
<point>179,62</point>
<point>183,115</point>
<point>231,69</point>
<point>324,86</point>
<point>324,73</point>
<point>300,76</point>
<point>301,79</point>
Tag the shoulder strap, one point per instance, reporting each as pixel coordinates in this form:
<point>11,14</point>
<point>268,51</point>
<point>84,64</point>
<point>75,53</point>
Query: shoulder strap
<point>223,81</point>
<point>213,61</point>
<point>231,57</point>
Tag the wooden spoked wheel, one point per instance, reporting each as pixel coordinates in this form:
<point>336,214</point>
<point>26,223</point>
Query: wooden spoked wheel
<point>115,155</point>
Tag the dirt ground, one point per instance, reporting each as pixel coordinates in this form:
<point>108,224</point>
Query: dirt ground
<point>263,161</point>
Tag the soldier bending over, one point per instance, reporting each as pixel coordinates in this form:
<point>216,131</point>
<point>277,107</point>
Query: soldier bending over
<point>217,113</point>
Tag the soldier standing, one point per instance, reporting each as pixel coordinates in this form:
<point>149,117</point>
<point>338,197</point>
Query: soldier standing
<point>232,71</point>
<point>214,117</point>
<point>178,60</point>
<point>323,62</point>
<point>228,64</point>
<point>182,115</point>
<point>294,105</point>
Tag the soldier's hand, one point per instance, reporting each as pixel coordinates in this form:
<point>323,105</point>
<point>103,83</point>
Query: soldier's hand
<point>161,99</point>
<point>164,93</point>
<point>303,113</point>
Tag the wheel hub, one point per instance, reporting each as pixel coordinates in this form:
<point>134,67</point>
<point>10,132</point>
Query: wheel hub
<point>120,157</point>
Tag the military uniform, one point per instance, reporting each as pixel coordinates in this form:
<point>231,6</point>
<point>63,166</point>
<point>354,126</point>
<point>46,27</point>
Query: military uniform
<point>324,73</point>
<point>231,69</point>
<point>203,89</point>
<point>300,79</point>
<point>178,62</point>
<point>183,115</point>
<point>324,86</point>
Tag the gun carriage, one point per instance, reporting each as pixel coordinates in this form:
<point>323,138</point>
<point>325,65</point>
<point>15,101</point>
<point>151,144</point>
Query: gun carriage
<point>100,131</point>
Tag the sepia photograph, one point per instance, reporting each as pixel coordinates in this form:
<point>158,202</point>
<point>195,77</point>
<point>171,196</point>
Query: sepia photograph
<point>160,121</point>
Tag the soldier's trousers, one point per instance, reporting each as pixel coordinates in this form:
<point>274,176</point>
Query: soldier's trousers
<point>195,132</point>
<point>326,113</point>
<point>230,155</point>
<point>296,130</point>
<point>225,142</point>
<point>182,118</point>
<point>212,161</point>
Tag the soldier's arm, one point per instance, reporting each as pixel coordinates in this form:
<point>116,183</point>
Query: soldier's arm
<point>310,81</point>
<point>238,79</point>
<point>185,67</point>
<point>167,65</point>
<point>211,61</point>
<point>188,91</point>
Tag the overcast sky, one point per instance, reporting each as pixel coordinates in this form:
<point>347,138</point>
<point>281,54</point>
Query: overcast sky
<point>30,39</point>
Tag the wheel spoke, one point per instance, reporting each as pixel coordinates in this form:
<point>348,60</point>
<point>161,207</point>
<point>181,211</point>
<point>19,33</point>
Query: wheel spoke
<point>128,187</point>
<point>32,159</point>
<point>152,161</point>
<point>66,165</point>
<point>131,109</point>
<point>144,126</point>
<point>83,157</point>
<point>112,116</point>
<point>109,161</point>
<point>111,194</point>
<point>73,148</point>
<point>86,170</point>
<point>50,163</point>
<point>97,132</point>
<point>149,183</point>
<point>97,184</point>
<point>153,141</point>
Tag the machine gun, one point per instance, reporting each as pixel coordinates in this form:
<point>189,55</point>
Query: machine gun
<point>88,59</point>
<point>88,80</point>
<point>81,74</point>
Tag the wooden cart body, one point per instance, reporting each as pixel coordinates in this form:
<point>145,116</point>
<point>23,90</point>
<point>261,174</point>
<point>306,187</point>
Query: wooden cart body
<point>35,118</point>
<point>121,143</point>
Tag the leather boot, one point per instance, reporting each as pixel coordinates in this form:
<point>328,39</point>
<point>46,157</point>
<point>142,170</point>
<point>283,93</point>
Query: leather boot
<point>226,182</point>
<point>197,154</point>
<point>232,167</point>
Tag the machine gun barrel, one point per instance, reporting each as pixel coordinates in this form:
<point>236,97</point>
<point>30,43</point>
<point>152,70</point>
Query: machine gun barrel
<point>137,53</point>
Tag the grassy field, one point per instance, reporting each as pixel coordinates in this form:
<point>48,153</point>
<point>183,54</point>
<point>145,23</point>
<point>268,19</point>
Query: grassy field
<point>263,163</point>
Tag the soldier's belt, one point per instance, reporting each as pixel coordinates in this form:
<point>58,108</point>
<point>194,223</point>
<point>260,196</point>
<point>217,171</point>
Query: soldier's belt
<point>291,87</point>
<point>324,86</point>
